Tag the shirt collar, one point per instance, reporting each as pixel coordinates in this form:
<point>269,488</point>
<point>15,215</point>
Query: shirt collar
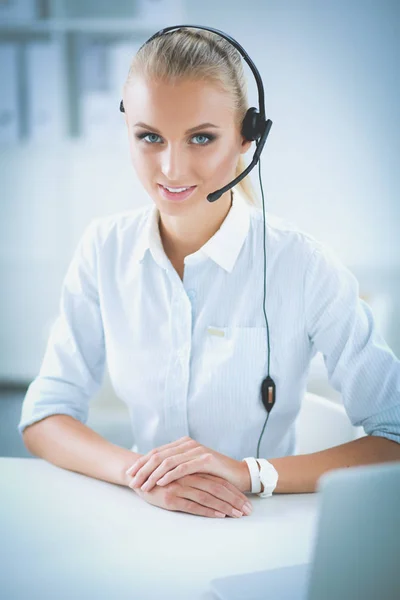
<point>223,247</point>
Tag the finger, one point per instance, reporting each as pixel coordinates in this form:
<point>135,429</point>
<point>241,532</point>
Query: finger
<point>202,464</point>
<point>195,488</point>
<point>208,500</point>
<point>162,463</point>
<point>149,475</point>
<point>227,484</point>
<point>188,506</point>
<point>143,459</point>
<point>230,499</point>
<point>176,501</point>
<point>163,451</point>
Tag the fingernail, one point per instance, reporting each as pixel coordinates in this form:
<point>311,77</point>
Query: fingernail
<point>247,509</point>
<point>237,513</point>
<point>219,514</point>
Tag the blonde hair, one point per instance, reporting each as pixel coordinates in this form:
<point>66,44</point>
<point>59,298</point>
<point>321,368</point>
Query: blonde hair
<point>187,53</point>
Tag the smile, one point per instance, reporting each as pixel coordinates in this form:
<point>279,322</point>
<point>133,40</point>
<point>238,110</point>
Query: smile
<point>179,193</point>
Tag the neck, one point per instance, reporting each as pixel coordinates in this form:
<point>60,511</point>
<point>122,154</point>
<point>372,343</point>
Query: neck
<point>184,234</point>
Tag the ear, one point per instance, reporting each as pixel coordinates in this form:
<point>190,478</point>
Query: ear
<point>245,145</point>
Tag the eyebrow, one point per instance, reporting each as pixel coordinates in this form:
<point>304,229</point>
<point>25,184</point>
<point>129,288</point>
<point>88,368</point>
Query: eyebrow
<point>191,130</point>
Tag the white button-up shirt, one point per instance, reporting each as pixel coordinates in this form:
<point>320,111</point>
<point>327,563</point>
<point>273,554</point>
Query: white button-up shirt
<point>188,357</point>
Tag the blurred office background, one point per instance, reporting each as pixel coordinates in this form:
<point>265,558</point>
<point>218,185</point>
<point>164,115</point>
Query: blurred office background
<point>331,72</point>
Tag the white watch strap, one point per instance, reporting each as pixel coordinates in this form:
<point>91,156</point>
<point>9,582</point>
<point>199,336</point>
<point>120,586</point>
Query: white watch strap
<point>268,477</point>
<point>254,474</point>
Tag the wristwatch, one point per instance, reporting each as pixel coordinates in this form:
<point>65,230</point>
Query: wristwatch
<point>262,472</point>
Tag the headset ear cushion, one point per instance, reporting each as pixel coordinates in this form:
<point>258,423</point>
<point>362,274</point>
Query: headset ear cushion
<point>121,106</point>
<point>251,129</point>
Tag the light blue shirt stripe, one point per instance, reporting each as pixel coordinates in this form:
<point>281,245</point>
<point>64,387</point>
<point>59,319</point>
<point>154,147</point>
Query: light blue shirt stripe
<point>188,357</point>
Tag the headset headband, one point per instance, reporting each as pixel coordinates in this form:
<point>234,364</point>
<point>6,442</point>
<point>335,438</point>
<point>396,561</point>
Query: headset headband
<point>260,87</point>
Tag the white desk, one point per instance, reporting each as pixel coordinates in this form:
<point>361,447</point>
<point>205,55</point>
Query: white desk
<point>66,536</point>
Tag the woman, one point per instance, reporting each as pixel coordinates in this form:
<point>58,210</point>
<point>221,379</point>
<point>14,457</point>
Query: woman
<point>172,294</point>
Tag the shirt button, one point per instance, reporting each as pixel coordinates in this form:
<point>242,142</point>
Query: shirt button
<point>192,294</point>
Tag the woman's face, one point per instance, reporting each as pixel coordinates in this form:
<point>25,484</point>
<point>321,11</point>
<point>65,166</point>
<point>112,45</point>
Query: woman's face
<point>169,148</point>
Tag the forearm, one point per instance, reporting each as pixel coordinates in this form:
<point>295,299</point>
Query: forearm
<point>300,474</point>
<point>69,444</point>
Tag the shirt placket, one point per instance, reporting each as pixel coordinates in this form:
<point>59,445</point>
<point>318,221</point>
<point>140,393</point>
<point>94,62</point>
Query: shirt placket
<point>177,381</point>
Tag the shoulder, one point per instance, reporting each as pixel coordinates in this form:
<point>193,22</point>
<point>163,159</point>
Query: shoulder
<point>285,239</point>
<point>117,227</point>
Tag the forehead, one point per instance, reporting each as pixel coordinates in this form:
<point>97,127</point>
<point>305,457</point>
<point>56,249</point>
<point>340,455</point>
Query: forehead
<point>184,102</point>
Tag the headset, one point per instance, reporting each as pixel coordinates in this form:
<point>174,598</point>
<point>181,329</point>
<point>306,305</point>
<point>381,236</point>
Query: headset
<point>254,128</point>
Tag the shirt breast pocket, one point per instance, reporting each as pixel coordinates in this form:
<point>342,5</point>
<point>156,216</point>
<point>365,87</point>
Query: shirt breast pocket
<point>236,363</point>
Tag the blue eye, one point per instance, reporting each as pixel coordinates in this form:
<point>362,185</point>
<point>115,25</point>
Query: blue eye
<point>208,137</point>
<point>145,135</point>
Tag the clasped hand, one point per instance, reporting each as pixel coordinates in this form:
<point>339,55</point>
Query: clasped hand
<point>181,458</point>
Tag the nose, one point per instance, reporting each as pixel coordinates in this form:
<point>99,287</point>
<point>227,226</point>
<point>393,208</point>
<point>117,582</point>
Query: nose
<point>174,164</point>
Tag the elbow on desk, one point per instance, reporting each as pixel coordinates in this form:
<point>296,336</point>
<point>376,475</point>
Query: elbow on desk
<point>33,437</point>
<point>30,434</point>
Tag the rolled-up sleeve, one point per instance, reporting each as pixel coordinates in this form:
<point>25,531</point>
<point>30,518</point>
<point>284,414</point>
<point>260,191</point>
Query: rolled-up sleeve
<point>360,364</point>
<point>72,368</point>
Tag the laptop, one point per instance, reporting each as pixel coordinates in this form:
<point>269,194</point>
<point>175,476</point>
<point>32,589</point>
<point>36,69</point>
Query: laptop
<point>356,554</point>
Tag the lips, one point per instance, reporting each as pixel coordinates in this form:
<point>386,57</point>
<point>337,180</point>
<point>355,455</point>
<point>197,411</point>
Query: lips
<point>176,187</point>
<point>176,196</point>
